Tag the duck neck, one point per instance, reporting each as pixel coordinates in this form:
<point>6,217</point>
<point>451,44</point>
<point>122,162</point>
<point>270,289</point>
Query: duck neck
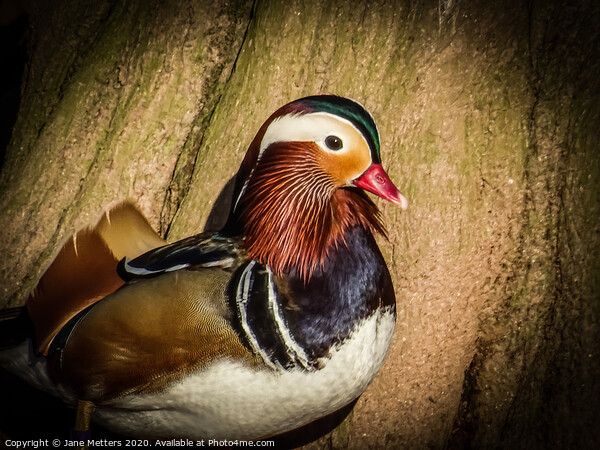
<point>291,216</point>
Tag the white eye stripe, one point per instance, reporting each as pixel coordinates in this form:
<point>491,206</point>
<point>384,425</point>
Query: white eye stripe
<point>311,127</point>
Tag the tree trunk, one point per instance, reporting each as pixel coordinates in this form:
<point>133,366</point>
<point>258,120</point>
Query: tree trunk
<point>488,114</point>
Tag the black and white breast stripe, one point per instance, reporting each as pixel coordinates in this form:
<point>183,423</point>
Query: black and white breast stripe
<point>261,321</point>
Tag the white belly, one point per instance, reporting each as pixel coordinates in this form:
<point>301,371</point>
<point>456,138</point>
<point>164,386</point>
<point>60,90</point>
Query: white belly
<point>230,401</point>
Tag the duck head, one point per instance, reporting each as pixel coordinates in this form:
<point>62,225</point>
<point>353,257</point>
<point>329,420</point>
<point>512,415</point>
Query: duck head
<point>300,186</point>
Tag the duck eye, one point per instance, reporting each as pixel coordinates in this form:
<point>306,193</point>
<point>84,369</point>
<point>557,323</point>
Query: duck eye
<point>333,143</point>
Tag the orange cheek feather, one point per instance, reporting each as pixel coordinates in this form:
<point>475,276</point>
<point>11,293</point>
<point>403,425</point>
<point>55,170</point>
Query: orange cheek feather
<point>344,168</point>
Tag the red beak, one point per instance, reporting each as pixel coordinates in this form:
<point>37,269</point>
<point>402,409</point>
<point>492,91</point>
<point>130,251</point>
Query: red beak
<point>376,181</point>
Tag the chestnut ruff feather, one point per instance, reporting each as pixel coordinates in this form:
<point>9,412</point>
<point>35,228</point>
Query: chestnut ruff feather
<point>291,214</point>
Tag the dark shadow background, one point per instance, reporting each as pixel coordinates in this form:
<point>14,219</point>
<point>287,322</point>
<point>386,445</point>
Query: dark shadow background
<point>14,27</point>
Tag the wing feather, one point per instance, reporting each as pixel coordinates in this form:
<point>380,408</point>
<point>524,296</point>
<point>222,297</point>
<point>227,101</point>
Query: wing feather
<point>151,333</point>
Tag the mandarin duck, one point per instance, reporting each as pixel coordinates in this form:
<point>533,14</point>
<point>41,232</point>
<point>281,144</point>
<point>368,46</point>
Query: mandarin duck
<point>282,317</point>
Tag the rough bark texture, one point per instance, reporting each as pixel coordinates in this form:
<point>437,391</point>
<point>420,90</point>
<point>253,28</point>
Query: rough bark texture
<point>488,113</point>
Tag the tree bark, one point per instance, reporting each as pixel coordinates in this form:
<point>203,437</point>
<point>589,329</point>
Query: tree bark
<point>488,115</point>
